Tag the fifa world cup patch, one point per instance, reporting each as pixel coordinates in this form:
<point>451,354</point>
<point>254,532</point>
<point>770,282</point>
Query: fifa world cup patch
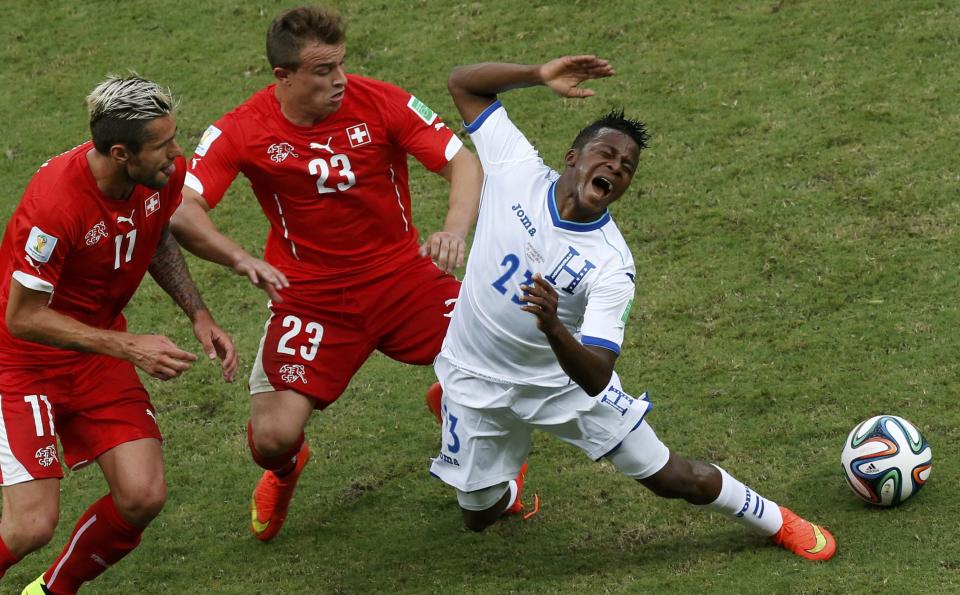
<point>209,135</point>
<point>40,245</point>
<point>420,108</point>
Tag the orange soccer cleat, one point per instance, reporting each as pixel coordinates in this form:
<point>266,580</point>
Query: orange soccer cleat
<point>517,506</point>
<point>434,395</point>
<point>271,498</point>
<point>803,538</point>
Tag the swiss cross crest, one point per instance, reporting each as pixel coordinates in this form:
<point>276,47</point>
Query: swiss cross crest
<point>290,373</point>
<point>152,204</point>
<point>96,232</point>
<point>358,135</point>
<point>279,152</point>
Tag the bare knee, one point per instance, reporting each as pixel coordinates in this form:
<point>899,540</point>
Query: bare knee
<point>139,504</point>
<point>271,441</point>
<point>694,481</point>
<point>29,531</point>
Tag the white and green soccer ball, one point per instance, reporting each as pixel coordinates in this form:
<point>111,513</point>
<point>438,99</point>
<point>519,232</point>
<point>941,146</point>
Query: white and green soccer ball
<point>886,460</point>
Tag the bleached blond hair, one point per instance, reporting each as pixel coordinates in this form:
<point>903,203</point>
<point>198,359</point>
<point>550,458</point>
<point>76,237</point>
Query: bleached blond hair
<point>121,106</point>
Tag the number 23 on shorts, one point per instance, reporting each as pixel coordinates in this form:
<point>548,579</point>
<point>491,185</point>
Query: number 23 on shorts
<point>313,330</point>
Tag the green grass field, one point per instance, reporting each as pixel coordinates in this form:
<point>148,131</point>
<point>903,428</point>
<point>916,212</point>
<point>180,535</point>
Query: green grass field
<point>795,228</point>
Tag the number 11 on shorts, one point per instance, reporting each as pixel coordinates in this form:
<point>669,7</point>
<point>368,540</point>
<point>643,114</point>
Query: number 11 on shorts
<point>34,401</point>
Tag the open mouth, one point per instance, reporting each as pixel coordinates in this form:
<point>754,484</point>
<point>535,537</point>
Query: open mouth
<point>602,184</point>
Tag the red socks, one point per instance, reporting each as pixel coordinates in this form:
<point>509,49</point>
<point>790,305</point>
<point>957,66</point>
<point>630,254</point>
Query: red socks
<point>100,539</point>
<point>6,558</point>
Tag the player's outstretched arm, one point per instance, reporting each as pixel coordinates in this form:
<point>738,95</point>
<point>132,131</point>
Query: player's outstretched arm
<point>193,229</point>
<point>590,367</point>
<point>169,270</point>
<point>29,318</point>
<point>476,86</point>
<point>447,248</point>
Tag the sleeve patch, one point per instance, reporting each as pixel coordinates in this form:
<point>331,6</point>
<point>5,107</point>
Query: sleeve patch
<point>420,108</point>
<point>40,245</point>
<point>209,135</point>
<point>626,311</point>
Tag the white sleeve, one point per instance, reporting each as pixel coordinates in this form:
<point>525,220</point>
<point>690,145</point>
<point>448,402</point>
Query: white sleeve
<point>608,306</point>
<point>499,142</point>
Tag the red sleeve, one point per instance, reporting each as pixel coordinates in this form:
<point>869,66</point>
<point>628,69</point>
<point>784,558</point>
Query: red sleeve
<point>216,161</point>
<point>412,125</point>
<point>42,240</point>
<point>174,187</point>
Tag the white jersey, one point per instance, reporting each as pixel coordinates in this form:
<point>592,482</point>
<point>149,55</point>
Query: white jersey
<point>520,233</point>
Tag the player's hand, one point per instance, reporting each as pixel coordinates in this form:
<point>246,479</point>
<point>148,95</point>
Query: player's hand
<point>262,274</point>
<point>216,344</point>
<point>158,356</point>
<point>563,75</point>
<point>446,249</point>
<point>542,300</point>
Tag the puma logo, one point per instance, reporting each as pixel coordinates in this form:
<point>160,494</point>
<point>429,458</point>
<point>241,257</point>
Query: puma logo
<point>325,147</point>
<point>122,219</point>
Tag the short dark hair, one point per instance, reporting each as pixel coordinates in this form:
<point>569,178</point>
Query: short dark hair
<point>295,28</point>
<point>614,120</point>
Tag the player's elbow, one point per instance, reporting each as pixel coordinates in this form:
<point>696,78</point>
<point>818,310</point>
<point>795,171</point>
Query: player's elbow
<point>18,325</point>
<point>598,382</point>
<point>456,79</point>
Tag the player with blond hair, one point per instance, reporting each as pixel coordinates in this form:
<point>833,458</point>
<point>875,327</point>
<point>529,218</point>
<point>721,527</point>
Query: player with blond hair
<point>92,222</point>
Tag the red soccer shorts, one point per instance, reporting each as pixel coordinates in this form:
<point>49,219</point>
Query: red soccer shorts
<point>92,406</point>
<point>317,338</point>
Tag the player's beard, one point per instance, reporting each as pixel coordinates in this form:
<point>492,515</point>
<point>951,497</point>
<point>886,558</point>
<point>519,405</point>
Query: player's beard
<point>156,181</point>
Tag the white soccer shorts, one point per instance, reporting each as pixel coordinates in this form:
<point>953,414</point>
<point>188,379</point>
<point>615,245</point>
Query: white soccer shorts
<point>487,425</point>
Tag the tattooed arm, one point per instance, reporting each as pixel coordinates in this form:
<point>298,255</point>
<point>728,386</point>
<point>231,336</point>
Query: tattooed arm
<point>169,270</point>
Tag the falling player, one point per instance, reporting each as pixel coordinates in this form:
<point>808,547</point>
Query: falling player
<point>541,316</point>
<point>91,223</point>
<point>326,154</point>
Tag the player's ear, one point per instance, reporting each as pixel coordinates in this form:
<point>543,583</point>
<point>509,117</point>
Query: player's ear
<point>119,153</point>
<point>282,74</point>
<point>571,157</point>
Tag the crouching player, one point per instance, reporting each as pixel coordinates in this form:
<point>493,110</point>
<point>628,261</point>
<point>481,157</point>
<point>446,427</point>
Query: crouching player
<point>541,313</point>
<point>91,223</point>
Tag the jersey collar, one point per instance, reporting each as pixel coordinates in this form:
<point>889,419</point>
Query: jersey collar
<point>572,225</point>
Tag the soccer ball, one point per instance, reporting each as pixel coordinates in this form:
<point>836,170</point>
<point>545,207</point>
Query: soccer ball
<point>886,460</point>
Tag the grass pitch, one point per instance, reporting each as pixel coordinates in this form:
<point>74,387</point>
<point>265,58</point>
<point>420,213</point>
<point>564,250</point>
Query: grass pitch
<point>794,224</point>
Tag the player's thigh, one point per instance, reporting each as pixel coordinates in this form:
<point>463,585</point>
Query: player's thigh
<point>107,407</point>
<point>479,447</point>
<point>28,432</point>
<point>413,321</point>
<point>311,351</point>
<point>596,425</point>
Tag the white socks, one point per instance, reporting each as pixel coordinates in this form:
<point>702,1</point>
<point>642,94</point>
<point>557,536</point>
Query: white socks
<point>746,506</point>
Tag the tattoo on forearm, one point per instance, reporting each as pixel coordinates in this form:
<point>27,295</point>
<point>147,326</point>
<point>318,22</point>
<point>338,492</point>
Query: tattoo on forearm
<point>169,270</point>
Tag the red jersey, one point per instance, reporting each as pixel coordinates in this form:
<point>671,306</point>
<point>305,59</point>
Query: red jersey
<point>90,252</point>
<point>335,193</point>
